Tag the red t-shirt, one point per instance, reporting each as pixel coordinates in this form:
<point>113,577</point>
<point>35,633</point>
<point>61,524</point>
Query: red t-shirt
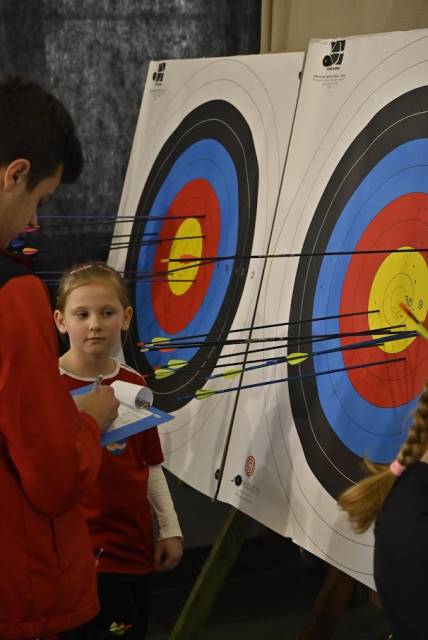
<point>116,507</point>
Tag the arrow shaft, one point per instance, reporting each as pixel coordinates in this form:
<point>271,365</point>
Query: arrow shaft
<point>307,254</point>
<point>252,351</point>
<point>146,243</point>
<point>302,377</point>
<point>113,246</point>
<point>118,218</point>
<point>359,345</point>
<point>212,259</point>
<point>276,324</point>
<point>285,339</point>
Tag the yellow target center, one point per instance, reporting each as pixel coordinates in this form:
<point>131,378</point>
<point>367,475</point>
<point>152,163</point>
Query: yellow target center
<point>180,281</point>
<point>402,277</point>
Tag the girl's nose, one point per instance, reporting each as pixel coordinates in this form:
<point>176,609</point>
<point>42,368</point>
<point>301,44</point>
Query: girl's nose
<point>94,323</point>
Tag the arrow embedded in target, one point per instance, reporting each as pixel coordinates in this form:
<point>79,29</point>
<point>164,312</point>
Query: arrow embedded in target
<point>207,260</point>
<point>301,254</point>
<point>291,359</point>
<point>419,327</point>
<point>298,358</point>
<point>256,327</point>
<point>202,394</point>
<point>165,346</point>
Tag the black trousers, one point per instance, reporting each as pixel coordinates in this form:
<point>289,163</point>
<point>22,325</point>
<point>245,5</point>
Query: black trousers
<point>124,599</point>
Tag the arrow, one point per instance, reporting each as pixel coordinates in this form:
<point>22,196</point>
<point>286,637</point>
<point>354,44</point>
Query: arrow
<point>292,359</point>
<point>177,364</point>
<point>211,259</point>
<point>118,218</point>
<point>25,251</point>
<point>298,358</point>
<point>280,346</point>
<point>202,394</point>
<point>125,245</point>
<point>173,365</point>
<point>297,255</point>
<point>261,326</point>
<point>285,339</point>
<point>419,326</point>
<point>162,373</point>
<point>167,239</point>
<point>57,279</point>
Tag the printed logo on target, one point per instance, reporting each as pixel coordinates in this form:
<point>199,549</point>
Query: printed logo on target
<point>159,74</point>
<point>250,466</point>
<point>335,58</point>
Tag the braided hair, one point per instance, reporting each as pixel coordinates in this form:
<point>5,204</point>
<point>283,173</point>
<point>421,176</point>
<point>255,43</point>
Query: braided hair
<point>364,500</point>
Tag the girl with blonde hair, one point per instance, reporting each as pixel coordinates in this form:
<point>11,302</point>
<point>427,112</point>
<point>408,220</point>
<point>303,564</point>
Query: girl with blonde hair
<point>93,310</point>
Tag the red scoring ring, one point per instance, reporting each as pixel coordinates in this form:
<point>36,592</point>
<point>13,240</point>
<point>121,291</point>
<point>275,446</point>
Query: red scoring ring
<point>403,222</point>
<point>173,312</point>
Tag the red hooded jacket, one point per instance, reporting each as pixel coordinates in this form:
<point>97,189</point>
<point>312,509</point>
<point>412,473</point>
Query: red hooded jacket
<point>49,453</point>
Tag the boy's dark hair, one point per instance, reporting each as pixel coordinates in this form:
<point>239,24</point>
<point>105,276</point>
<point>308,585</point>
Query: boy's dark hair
<point>36,126</point>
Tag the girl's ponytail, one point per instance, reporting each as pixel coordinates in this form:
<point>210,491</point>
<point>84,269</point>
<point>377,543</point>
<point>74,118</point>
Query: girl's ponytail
<point>363,501</point>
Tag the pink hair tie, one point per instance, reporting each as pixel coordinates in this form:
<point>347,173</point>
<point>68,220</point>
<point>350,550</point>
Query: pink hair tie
<point>397,468</point>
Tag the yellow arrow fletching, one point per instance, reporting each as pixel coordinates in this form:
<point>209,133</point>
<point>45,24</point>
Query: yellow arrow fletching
<point>163,373</point>
<point>159,339</point>
<point>297,358</point>
<point>177,364</point>
<point>201,394</point>
<point>231,373</point>
<point>421,330</point>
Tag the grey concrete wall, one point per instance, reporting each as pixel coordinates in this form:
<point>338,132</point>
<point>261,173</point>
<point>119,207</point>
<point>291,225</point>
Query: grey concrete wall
<point>93,55</point>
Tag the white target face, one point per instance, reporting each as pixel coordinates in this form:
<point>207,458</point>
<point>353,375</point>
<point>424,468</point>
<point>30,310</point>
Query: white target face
<point>202,181</point>
<point>356,181</point>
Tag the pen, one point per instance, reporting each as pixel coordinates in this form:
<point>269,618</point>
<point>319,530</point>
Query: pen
<point>99,553</point>
<point>97,557</point>
<point>98,380</point>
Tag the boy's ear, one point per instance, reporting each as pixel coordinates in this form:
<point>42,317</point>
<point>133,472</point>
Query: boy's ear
<point>127,317</point>
<point>59,321</point>
<point>16,174</point>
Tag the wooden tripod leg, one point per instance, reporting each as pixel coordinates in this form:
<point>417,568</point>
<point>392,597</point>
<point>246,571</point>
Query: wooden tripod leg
<point>212,576</point>
<point>329,604</point>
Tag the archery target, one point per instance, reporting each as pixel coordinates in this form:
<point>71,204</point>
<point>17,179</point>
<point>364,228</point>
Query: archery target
<point>210,148</point>
<point>207,170</point>
<point>376,199</point>
<point>355,180</point>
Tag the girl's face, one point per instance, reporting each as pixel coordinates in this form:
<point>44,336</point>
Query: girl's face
<point>93,317</point>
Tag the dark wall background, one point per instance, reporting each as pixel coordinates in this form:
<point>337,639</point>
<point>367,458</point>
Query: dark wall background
<point>94,56</point>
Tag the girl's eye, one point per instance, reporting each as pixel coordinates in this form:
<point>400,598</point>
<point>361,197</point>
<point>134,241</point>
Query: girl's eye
<point>108,312</point>
<point>81,315</point>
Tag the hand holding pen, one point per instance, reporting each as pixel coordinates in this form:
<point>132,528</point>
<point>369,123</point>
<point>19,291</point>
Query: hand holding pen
<point>100,403</point>
<point>97,382</point>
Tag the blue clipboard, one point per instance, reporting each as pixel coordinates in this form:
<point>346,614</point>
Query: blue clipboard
<point>156,417</point>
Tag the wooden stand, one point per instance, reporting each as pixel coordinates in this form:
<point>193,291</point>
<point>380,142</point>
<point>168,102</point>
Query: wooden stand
<point>332,599</point>
<point>212,576</point>
<point>334,595</point>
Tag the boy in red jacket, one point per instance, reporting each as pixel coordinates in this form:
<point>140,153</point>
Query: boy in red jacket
<point>49,451</point>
